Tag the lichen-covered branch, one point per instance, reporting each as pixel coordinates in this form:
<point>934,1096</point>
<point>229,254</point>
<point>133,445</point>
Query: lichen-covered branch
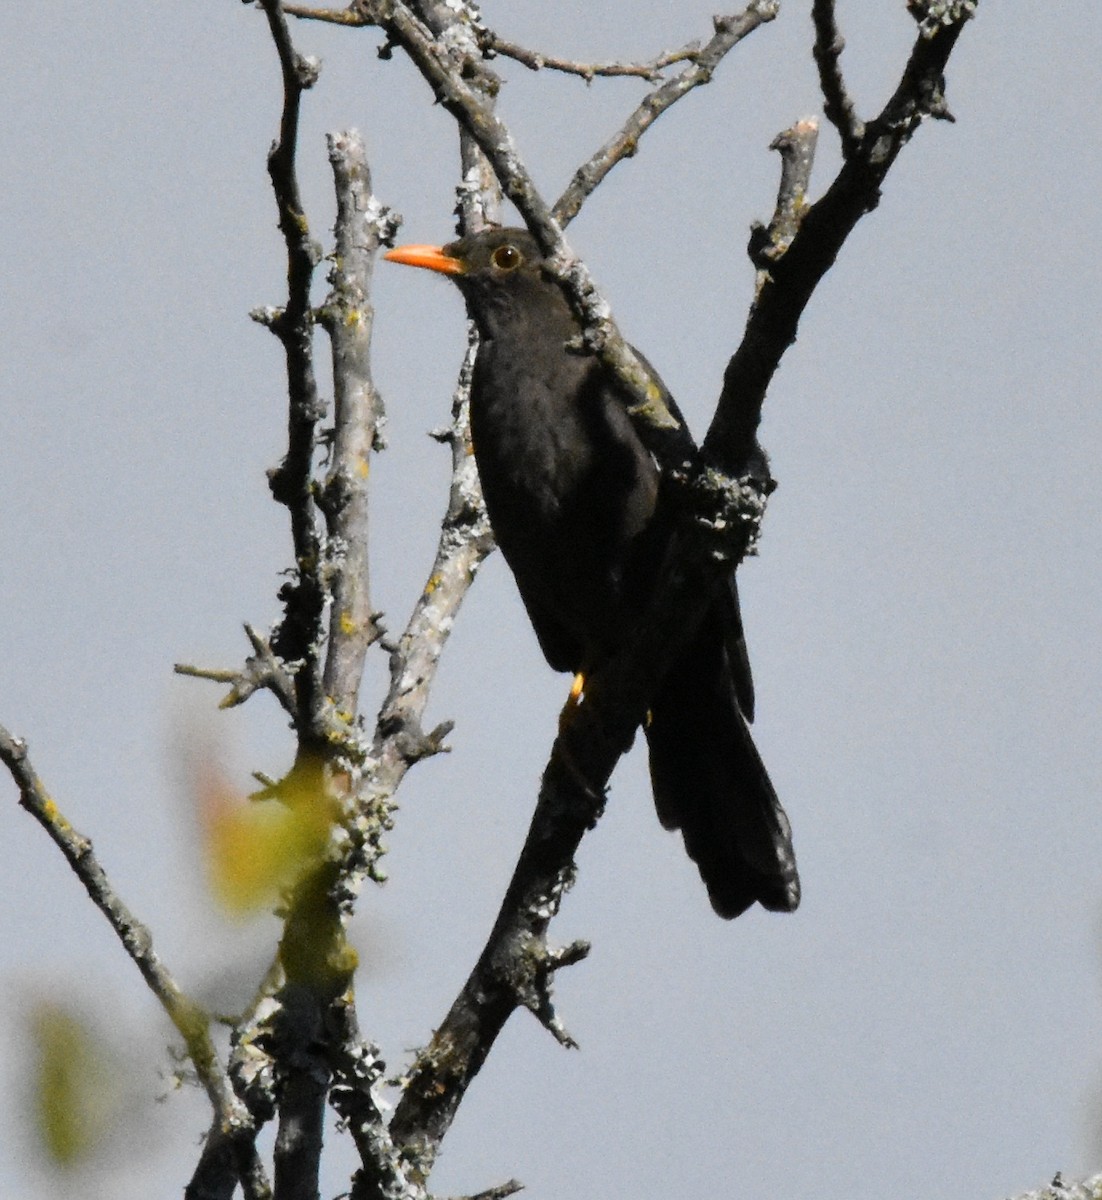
<point>357,1068</point>
<point>465,540</point>
<point>1062,1189</point>
<point>262,670</point>
<point>362,226</point>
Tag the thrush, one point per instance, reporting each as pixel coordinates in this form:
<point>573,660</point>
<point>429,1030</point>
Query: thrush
<point>574,500</point>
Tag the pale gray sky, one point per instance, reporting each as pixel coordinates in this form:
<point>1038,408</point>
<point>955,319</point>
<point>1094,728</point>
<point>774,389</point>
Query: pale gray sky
<point>923,618</point>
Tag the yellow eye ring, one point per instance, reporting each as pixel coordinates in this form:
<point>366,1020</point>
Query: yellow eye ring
<point>506,258</point>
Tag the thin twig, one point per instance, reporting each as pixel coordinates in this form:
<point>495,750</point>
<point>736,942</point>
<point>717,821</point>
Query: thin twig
<point>729,31</point>
<point>262,669</point>
<point>837,102</point>
<point>191,1022</point>
<point>333,16</point>
<point>492,43</point>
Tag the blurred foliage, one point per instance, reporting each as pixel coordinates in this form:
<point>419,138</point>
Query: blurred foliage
<point>257,848</point>
<point>75,1088</point>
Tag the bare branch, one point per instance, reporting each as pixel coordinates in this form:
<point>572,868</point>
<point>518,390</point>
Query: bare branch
<point>837,103</point>
<point>796,147</point>
<point>729,31</point>
<point>362,225</point>
<point>465,540</point>
<point>500,1192</point>
<point>263,669</point>
<point>357,1068</point>
<point>493,44</point>
<point>793,276</point>
<point>333,16</point>
<point>298,636</point>
<point>232,1118</point>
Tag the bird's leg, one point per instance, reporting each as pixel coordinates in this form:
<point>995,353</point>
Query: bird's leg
<point>577,691</point>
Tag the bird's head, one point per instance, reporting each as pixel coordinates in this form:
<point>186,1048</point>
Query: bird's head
<point>502,275</point>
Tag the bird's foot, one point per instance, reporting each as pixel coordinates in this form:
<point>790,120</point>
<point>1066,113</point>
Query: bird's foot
<point>577,691</point>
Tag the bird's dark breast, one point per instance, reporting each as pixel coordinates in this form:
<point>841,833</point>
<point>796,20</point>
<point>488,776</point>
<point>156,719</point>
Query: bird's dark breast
<point>571,494</point>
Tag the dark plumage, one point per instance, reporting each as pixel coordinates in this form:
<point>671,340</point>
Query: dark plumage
<point>573,497</point>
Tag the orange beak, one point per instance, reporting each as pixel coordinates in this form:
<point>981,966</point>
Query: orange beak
<point>431,257</point>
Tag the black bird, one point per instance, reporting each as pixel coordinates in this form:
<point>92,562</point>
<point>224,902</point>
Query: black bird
<point>573,498</point>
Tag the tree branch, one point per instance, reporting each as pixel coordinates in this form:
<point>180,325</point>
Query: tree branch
<point>232,1118</point>
<point>784,293</point>
<point>313,938</point>
<point>516,966</point>
<point>262,669</point>
<point>298,635</point>
<point>357,1068</point>
<point>465,540</point>
<point>837,103</point>
<point>332,16</point>
<point>492,44</point>
<point>362,225</point>
<point>1061,1189</point>
<point>796,147</point>
<point>729,31</point>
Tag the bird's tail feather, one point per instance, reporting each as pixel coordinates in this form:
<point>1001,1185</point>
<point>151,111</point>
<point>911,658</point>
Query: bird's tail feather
<point>710,782</point>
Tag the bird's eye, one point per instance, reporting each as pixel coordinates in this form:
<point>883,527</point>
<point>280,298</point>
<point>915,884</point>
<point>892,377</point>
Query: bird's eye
<point>507,258</point>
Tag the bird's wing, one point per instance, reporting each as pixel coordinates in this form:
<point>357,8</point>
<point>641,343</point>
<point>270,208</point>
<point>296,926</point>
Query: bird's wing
<point>735,642</point>
<point>734,637</point>
<point>561,648</point>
